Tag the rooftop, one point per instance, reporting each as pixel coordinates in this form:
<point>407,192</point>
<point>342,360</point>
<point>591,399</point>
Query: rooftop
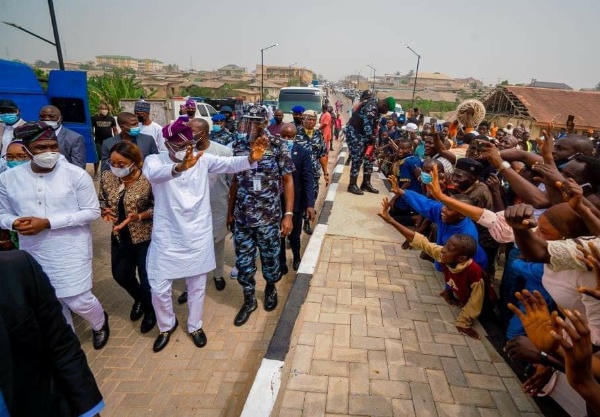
<point>548,84</point>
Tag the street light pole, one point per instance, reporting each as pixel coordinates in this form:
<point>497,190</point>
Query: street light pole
<point>262,71</point>
<point>412,102</point>
<point>290,74</point>
<point>56,43</point>
<point>374,72</point>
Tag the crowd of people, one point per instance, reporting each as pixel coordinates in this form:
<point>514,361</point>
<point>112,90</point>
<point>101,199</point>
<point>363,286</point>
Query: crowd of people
<point>475,197</point>
<point>466,196</point>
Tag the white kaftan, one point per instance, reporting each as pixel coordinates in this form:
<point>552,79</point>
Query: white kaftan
<point>182,235</point>
<point>67,198</point>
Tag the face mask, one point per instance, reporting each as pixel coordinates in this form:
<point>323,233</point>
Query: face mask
<point>12,164</point>
<point>103,112</point>
<point>426,178</point>
<point>9,118</point>
<point>180,155</point>
<point>242,137</point>
<point>191,113</point>
<point>134,131</point>
<point>140,119</point>
<point>53,124</point>
<point>217,128</point>
<point>46,160</point>
<point>121,172</point>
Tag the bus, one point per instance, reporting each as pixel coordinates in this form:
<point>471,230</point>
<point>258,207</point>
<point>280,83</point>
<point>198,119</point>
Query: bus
<point>311,98</point>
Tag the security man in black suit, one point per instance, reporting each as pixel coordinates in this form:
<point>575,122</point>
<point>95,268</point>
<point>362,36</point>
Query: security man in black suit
<point>43,371</point>
<point>304,195</point>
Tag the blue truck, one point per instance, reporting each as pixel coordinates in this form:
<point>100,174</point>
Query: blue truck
<point>66,90</point>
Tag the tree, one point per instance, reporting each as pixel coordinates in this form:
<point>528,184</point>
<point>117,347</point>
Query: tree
<point>505,82</point>
<point>597,87</point>
<point>112,87</point>
<point>42,77</point>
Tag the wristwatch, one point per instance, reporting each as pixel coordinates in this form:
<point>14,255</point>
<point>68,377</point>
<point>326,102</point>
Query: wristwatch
<point>504,165</point>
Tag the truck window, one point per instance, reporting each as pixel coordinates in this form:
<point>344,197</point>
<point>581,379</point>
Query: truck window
<point>309,99</point>
<point>202,110</point>
<point>211,110</point>
<point>72,109</point>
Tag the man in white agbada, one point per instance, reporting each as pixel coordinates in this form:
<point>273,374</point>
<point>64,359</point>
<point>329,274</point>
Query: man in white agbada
<point>182,234</point>
<point>51,204</point>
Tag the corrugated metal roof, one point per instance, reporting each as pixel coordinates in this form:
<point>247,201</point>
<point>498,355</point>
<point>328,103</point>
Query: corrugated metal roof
<point>548,105</point>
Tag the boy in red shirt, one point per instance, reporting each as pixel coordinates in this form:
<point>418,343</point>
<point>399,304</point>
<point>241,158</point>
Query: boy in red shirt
<point>466,283</point>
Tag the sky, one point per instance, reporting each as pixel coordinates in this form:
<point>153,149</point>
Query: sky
<point>517,40</point>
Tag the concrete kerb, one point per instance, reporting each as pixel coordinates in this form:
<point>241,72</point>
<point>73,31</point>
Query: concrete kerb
<point>263,394</point>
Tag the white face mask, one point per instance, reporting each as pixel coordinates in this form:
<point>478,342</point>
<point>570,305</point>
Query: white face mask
<point>53,124</point>
<point>180,155</point>
<point>121,172</point>
<point>46,160</point>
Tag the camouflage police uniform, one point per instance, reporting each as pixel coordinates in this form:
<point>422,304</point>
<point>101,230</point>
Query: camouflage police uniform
<point>224,137</point>
<point>317,149</point>
<point>258,212</point>
<point>360,131</point>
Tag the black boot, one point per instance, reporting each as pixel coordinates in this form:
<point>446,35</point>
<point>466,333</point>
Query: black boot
<point>249,306</point>
<point>352,188</point>
<point>270,297</point>
<point>366,184</point>
<point>347,161</point>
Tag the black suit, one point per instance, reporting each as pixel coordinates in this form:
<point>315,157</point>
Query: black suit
<point>146,143</point>
<point>304,196</point>
<point>43,371</point>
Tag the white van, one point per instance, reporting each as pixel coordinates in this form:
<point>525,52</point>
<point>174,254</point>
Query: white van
<point>311,98</point>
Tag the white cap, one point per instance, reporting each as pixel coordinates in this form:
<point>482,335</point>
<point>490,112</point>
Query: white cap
<point>410,127</point>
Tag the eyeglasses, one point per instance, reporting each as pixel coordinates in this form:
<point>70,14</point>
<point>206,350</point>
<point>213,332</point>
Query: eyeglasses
<point>16,158</point>
<point>180,146</point>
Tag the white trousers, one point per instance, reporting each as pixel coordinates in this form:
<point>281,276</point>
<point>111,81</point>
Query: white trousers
<point>219,258</point>
<point>163,302</point>
<point>87,306</point>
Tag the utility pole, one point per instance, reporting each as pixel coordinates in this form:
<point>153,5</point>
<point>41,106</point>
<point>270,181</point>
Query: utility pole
<point>61,62</point>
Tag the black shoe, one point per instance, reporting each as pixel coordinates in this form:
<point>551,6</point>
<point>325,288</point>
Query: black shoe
<point>296,264</point>
<point>352,188</point>
<point>162,340</point>
<point>100,337</point>
<point>283,270</point>
<point>199,338</point>
<point>182,298</point>
<point>307,229</point>
<point>366,184</point>
<point>219,283</point>
<point>136,311</point>
<point>249,306</point>
<point>148,322</point>
<point>270,297</point>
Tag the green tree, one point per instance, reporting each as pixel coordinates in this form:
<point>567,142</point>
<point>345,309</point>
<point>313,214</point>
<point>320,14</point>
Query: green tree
<point>505,82</point>
<point>597,87</point>
<point>112,87</point>
<point>42,77</point>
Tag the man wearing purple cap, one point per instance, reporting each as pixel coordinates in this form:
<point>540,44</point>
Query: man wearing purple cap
<point>182,236</point>
<point>190,108</point>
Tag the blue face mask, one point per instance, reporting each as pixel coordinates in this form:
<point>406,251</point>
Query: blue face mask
<point>217,128</point>
<point>9,118</point>
<point>242,137</point>
<point>134,131</point>
<point>426,178</point>
<point>12,164</point>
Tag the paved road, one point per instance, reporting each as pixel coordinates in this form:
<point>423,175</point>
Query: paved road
<point>182,380</point>
<point>374,339</point>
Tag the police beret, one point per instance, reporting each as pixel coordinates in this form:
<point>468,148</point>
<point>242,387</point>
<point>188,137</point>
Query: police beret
<point>226,109</point>
<point>298,109</point>
<point>8,104</point>
<point>218,118</point>
<point>469,165</point>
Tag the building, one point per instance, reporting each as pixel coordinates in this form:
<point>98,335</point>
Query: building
<point>539,108</point>
<point>547,84</point>
<point>305,75</point>
<point>231,70</point>
<point>128,62</point>
<point>271,88</point>
<point>432,79</point>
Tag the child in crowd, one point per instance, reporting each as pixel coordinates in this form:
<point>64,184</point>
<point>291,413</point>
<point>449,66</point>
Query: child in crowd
<point>406,171</point>
<point>466,283</point>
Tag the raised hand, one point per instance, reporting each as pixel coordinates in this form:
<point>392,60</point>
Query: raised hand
<point>493,183</point>
<point>549,173</point>
<point>434,186</point>
<point>546,146</point>
<point>385,210</point>
<point>395,188</point>
<point>189,160</point>
<point>577,352</point>
<point>258,148</point>
<point>571,191</point>
<point>520,216</point>
<point>591,258</point>
<point>537,320</point>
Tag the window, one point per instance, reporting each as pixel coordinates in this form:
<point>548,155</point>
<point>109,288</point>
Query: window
<point>202,110</point>
<point>211,110</point>
<point>72,109</point>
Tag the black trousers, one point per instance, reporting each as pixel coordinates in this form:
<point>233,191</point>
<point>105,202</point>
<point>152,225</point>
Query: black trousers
<point>126,257</point>
<point>294,239</point>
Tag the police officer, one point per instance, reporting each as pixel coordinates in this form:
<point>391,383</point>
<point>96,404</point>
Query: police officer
<point>219,133</point>
<point>255,211</point>
<point>230,123</point>
<point>361,132</point>
<point>312,140</point>
<point>298,115</point>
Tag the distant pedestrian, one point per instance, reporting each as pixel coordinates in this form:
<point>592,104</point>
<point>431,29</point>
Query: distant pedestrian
<point>104,126</point>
